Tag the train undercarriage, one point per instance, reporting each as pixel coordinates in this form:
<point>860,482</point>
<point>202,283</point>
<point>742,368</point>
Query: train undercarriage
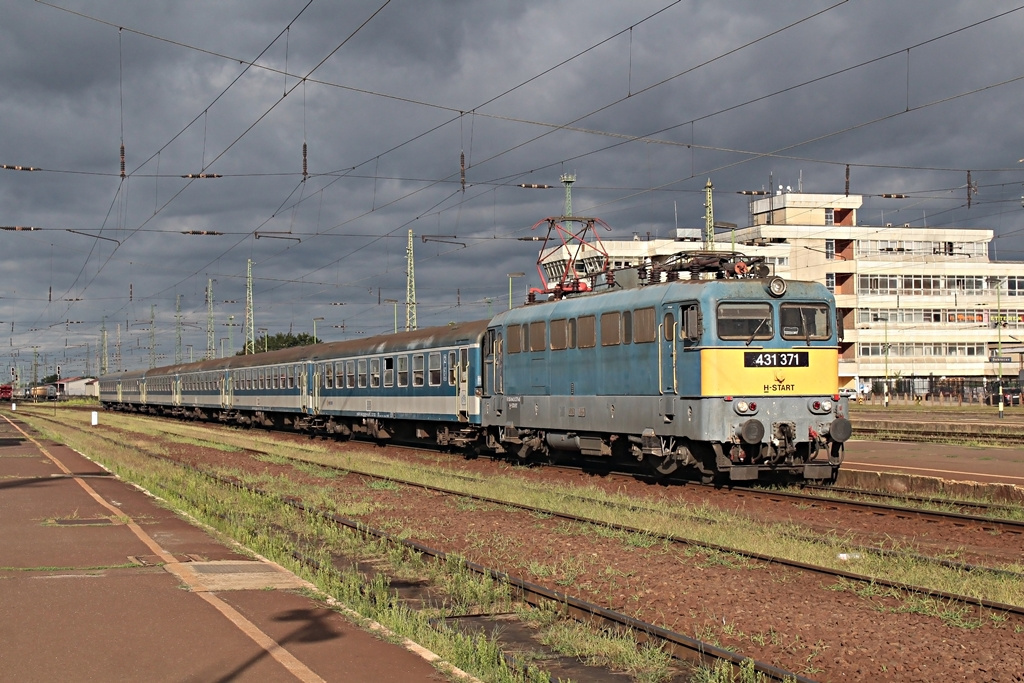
<point>782,457</point>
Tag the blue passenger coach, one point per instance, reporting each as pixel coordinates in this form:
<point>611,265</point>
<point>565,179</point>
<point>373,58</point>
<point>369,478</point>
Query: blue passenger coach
<point>420,384</point>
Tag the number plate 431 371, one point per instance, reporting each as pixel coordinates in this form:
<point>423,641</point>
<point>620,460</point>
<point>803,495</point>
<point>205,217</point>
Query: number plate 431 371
<point>775,359</point>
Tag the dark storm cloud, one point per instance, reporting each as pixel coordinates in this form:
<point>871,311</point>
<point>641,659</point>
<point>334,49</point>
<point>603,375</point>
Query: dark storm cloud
<point>420,81</point>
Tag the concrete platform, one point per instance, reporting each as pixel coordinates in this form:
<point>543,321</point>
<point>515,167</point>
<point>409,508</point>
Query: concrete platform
<point>98,582</point>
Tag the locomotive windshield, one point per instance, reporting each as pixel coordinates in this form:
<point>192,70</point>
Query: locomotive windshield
<point>805,321</point>
<point>746,321</point>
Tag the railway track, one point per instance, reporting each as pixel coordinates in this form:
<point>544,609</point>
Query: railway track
<point>1002,511</point>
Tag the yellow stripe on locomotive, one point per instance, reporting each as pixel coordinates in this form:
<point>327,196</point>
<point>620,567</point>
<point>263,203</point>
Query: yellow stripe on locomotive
<point>769,372</point>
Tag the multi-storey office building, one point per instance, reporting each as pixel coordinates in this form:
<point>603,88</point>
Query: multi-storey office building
<point>922,307</point>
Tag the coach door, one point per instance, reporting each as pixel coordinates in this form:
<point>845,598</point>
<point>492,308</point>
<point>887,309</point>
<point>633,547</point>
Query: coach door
<point>176,389</point>
<point>303,377</point>
<point>680,327</point>
<point>227,389</point>
<point>668,332</point>
<point>317,382</point>
<point>462,384</point>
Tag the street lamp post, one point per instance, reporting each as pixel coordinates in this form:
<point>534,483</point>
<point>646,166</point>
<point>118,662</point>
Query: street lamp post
<point>885,393</point>
<point>314,328</point>
<point>510,278</point>
<point>998,282</point>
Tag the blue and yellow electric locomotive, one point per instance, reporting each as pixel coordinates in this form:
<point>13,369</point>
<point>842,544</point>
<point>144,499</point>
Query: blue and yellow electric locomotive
<point>737,377</point>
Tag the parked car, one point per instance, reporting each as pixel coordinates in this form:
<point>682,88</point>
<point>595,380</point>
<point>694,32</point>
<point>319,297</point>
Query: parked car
<point>1011,397</point>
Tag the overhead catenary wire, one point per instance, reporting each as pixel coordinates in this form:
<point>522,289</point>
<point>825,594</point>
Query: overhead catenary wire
<point>321,195</point>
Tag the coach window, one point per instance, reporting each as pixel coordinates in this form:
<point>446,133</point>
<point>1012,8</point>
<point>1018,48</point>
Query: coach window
<point>362,372</point>
<point>586,327</point>
<point>610,329</point>
<point>746,321</point>
<point>515,339</point>
<point>403,371</point>
<point>538,341</point>
<point>329,375</point>
<point>805,321</point>
<point>558,334</point>
<point>261,382</point>
<point>389,371</point>
<point>643,326</point>
<point>434,369</point>
<point>339,374</point>
<point>417,370</point>
<point>452,379</point>
<point>350,374</point>
<point>374,372</point>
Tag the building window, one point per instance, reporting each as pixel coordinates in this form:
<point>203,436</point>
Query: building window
<point>830,282</point>
<point>830,250</point>
<point>830,217</point>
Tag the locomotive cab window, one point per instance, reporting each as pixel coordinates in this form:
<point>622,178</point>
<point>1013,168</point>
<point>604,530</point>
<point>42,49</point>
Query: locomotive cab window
<point>746,321</point>
<point>807,321</point>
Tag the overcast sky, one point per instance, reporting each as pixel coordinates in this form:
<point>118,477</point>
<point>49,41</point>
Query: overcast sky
<point>642,100</point>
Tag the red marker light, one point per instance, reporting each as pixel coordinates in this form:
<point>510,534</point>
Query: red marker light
<point>728,398</point>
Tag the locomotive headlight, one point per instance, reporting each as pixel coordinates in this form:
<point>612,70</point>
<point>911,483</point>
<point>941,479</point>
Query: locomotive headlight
<point>776,287</point>
<point>745,407</point>
<point>820,406</point>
